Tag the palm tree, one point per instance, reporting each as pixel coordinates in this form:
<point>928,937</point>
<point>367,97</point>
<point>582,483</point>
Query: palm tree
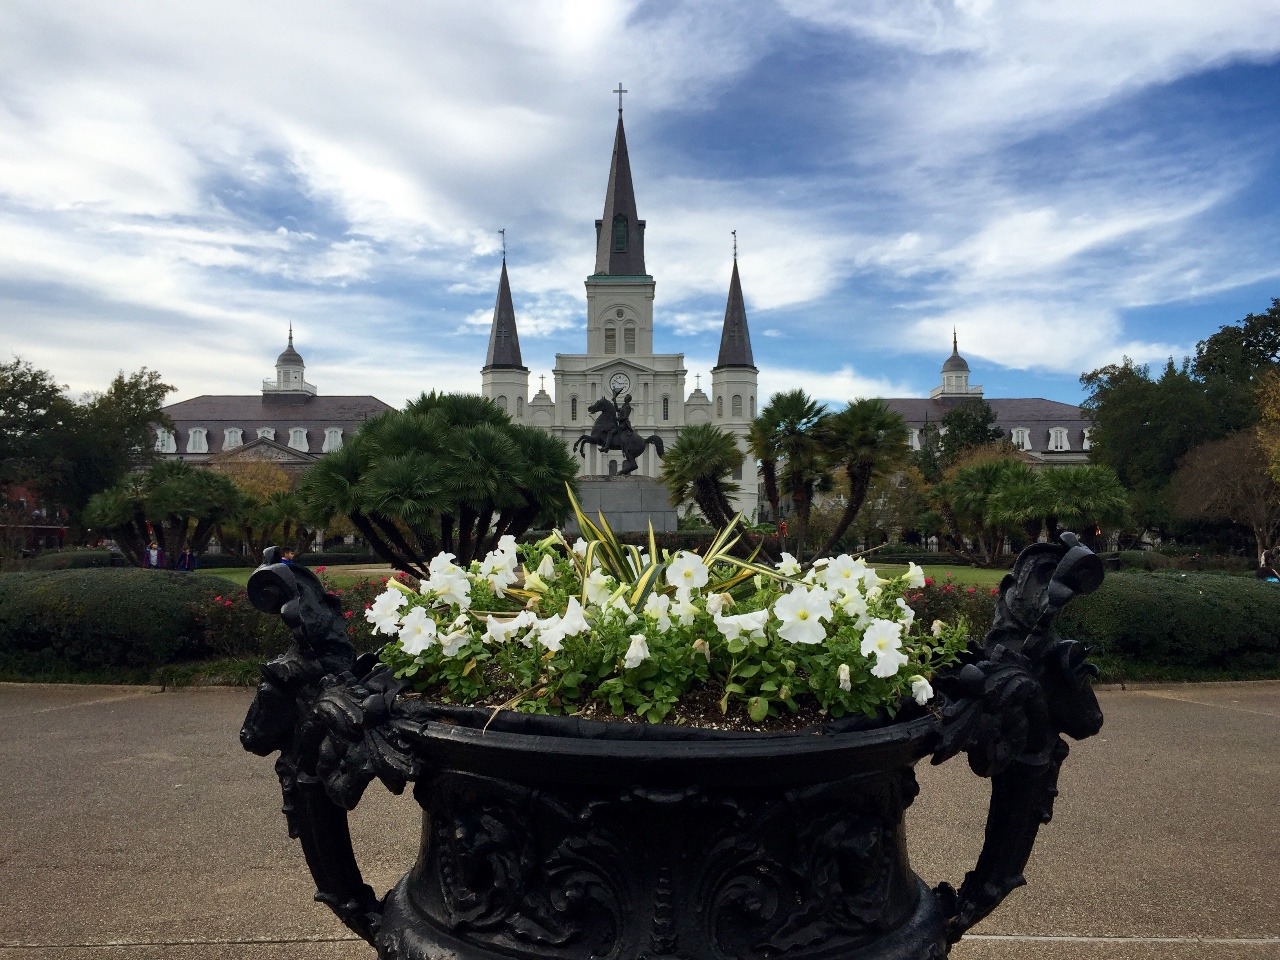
<point>762,442</point>
<point>967,495</point>
<point>790,419</point>
<point>697,467</point>
<point>867,439</point>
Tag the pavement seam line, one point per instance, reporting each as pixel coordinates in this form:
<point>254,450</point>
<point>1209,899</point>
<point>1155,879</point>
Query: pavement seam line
<point>1201,703</point>
<point>1071,938</point>
<point>82,703</point>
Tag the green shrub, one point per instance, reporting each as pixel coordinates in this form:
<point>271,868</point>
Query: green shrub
<point>1207,621</point>
<point>93,619</point>
<point>948,601</point>
<point>68,560</point>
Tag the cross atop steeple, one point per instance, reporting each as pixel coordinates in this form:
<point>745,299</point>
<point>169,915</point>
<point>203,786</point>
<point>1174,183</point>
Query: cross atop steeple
<point>503,231</point>
<point>620,92</point>
<point>735,245</point>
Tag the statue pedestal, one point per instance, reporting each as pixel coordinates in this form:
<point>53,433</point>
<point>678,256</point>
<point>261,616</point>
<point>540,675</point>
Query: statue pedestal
<point>629,503</point>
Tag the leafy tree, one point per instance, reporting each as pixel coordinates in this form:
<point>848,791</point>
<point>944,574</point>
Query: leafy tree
<point>966,496</point>
<point>33,411</point>
<point>969,424</point>
<point>449,473</point>
<point>866,439</point>
<point>1084,498</point>
<point>762,442</point>
<point>697,469</point>
<point>790,419</point>
<point>1231,362</point>
<point>928,459</point>
<point>1230,479</point>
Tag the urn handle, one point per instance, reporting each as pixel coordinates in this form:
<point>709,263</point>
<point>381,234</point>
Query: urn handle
<point>329,713</point>
<point>1007,709</point>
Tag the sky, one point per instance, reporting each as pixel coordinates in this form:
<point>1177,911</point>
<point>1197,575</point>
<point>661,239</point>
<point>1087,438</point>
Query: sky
<point>1061,184</point>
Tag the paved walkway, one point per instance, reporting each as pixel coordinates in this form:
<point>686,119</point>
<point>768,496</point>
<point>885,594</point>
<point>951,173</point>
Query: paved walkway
<point>136,828</point>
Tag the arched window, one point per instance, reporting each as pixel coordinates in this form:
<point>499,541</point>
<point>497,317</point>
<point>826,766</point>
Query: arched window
<point>519,407</point>
<point>666,407</point>
<point>165,441</point>
<point>501,401</point>
<point>197,440</point>
<point>1021,438</point>
<point>1058,439</point>
<point>298,438</point>
<point>266,433</point>
<point>720,407</point>
<point>610,339</point>
<point>629,339</point>
<point>573,408</point>
<point>332,440</point>
<point>232,437</point>
<point>619,234</point>
<point>735,407</point>
<point>753,406</point>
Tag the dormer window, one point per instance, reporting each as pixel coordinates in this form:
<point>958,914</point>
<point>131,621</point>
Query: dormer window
<point>1021,438</point>
<point>332,440</point>
<point>165,441</point>
<point>1058,439</point>
<point>619,234</point>
<point>1084,444</point>
<point>298,438</point>
<point>266,433</point>
<point>197,440</point>
<point>232,437</point>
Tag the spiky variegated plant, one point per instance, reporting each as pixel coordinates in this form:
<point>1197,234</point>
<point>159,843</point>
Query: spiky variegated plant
<point>600,620</point>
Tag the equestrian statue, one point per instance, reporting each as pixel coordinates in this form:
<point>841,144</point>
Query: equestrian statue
<point>612,431</point>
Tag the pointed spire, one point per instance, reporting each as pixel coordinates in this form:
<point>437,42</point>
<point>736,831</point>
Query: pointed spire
<point>620,232</point>
<point>735,339</point>
<point>504,341</point>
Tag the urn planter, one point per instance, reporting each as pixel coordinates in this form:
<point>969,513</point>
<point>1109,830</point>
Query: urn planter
<point>553,837</point>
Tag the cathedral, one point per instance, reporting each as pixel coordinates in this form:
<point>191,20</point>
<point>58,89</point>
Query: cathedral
<point>620,359</point>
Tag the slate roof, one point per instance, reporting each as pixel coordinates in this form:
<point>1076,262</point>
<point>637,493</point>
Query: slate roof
<point>1039,416</point>
<point>620,201</point>
<point>504,341</point>
<point>735,337</point>
<point>279,411</point>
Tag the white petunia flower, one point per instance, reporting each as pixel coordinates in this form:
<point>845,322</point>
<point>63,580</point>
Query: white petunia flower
<point>417,631</point>
<point>547,569</point>
<point>844,573</point>
<point>637,653</point>
<point>619,604</point>
<point>716,602</point>
<point>802,612</point>
<point>921,690</point>
<point>500,631</point>
<point>915,576</point>
<point>657,607</point>
<point>854,604</point>
<point>687,571</point>
<point>937,628</point>
<point>600,587</point>
<point>701,646</point>
<point>383,613</point>
<point>549,633</point>
<point>499,569</point>
<point>843,673</point>
<point>788,566</point>
<point>454,641</point>
<point>507,545</point>
<point>752,624</point>
<point>684,609</point>
<point>574,620</point>
<point>533,582</point>
<point>883,640</point>
<point>908,615</point>
<point>455,591</point>
<point>580,547</point>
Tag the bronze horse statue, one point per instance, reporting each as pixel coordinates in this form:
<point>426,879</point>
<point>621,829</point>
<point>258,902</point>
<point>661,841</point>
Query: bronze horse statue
<point>607,434</point>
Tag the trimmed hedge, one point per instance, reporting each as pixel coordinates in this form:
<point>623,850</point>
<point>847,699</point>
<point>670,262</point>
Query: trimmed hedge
<point>96,619</point>
<point>69,560</point>
<point>312,560</point>
<point>1205,621</point>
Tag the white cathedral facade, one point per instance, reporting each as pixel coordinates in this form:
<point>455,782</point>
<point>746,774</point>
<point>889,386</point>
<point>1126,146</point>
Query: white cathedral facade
<point>620,358</point>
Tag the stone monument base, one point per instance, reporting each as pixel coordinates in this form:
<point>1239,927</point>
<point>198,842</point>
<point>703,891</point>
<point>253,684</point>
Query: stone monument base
<point>630,503</point>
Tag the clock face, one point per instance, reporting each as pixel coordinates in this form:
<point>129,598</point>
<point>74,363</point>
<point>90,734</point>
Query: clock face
<point>619,382</point>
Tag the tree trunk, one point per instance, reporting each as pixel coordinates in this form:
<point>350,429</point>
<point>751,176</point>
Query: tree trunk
<point>859,484</point>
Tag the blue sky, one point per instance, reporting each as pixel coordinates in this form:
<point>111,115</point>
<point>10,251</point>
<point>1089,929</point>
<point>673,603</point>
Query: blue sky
<point>1064,184</point>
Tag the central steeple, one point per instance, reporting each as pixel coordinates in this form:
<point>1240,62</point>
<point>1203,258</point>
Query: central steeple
<point>620,232</point>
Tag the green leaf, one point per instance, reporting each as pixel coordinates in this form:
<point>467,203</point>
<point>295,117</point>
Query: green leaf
<point>757,708</point>
<point>749,671</point>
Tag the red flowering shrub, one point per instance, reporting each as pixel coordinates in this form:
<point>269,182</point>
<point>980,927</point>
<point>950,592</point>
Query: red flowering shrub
<point>948,602</point>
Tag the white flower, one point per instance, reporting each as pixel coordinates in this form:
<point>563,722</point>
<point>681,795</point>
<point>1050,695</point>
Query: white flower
<point>921,690</point>
<point>844,573</point>
<point>854,604</point>
<point>549,633</point>
<point>574,620</point>
<point>716,602</point>
<point>871,581</point>
<point>684,609</point>
<point>599,588</point>
<point>802,612</point>
<point>417,631</point>
<point>702,647</point>
<point>500,631</point>
<point>687,571</point>
<point>456,591</point>
<point>637,653</point>
<point>657,607</point>
<point>788,566</point>
<point>937,628</point>
<point>454,641</point>
<point>499,569</point>
<point>619,604</point>
<point>883,640</point>
<point>547,569</point>
<point>580,547</point>
<point>507,545</point>
<point>908,615</point>
<point>873,593</point>
<point>440,568</point>
<point>915,576</point>
<point>534,582</point>
<point>383,613</point>
<point>751,623</point>
<point>843,673</point>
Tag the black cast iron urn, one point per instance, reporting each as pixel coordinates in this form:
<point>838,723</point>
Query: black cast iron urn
<point>552,837</point>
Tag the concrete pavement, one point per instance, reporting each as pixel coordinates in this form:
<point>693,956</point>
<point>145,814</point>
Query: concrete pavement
<point>136,828</point>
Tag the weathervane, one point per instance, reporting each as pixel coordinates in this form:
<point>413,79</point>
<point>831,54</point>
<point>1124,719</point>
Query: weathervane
<point>735,245</point>
<point>620,92</point>
<point>503,231</point>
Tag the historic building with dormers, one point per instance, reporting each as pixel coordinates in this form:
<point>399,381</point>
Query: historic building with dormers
<point>620,356</point>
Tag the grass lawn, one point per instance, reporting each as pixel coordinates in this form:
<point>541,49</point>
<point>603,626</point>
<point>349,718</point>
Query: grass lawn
<point>334,576</point>
<point>966,576</point>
